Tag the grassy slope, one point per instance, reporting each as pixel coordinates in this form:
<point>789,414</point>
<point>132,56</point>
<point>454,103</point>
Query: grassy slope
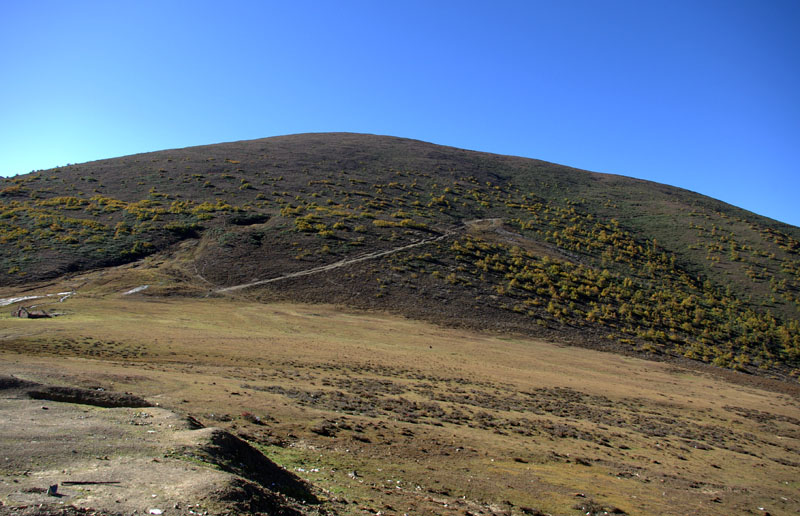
<point>595,259</point>
<point>399,416</point>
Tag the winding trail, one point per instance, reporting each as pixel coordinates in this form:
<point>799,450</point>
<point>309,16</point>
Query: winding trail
<point>336,265</point>
<point>62,296</point>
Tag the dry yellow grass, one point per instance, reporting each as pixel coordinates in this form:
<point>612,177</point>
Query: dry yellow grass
<point>431,420</point>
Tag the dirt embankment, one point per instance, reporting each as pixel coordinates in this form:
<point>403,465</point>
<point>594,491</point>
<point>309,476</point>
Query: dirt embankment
<point>68,450</point>
<point>94,397</point>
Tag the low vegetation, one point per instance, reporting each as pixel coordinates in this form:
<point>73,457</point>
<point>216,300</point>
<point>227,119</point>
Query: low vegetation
<point>386,414</point>
<point>596,260</point>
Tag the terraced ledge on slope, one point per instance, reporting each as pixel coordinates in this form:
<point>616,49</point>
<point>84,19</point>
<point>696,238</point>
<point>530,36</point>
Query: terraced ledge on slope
<point>94,397</point>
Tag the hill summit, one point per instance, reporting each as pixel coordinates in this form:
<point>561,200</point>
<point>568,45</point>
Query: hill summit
<point>454,236</point>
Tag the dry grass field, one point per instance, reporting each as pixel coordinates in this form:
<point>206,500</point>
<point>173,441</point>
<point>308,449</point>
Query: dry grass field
<point>386,415</point>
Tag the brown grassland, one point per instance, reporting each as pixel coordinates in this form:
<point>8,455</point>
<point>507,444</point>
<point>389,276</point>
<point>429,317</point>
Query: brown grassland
<point>404,328</point>
<point>387,415</point>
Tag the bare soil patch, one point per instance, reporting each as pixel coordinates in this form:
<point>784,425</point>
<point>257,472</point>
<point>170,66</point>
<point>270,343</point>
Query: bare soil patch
<point>106,456</point>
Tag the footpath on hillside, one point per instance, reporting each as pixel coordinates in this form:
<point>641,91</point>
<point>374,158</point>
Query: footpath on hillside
<point>338,264</point>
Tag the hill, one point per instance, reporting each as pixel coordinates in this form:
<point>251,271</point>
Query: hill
<point>454,236</point>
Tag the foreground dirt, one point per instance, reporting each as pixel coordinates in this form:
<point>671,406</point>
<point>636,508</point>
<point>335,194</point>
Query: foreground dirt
<point>383,414</point>
<point>68,450</point>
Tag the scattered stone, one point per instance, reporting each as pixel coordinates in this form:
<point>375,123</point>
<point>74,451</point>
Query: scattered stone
<point>194,423</point>
<point>326,429</point>
<point>252,418</point>
<point>592,508</point>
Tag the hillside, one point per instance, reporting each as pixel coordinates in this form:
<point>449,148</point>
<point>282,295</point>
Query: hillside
<point>505,243</point>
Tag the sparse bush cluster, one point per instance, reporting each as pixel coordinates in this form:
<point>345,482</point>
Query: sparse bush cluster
<point>667,309</point>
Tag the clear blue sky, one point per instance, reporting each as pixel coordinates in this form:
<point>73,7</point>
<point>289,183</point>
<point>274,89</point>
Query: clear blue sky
<point>703,95</point>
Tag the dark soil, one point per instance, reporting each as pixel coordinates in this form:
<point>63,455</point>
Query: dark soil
<point>94,397</point>
<point>42,510</point>
<point>245,497</point>
<point>236,456</point>
<point>13,383</point>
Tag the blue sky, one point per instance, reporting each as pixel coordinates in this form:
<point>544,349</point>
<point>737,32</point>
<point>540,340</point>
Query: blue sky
<point>697,94</point>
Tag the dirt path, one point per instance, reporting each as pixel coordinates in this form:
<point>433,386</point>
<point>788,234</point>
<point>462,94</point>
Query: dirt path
<point>336,265</point>
<point>62,296</point>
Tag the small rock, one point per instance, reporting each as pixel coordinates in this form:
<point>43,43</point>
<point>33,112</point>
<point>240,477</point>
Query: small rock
<point>327,429</point>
